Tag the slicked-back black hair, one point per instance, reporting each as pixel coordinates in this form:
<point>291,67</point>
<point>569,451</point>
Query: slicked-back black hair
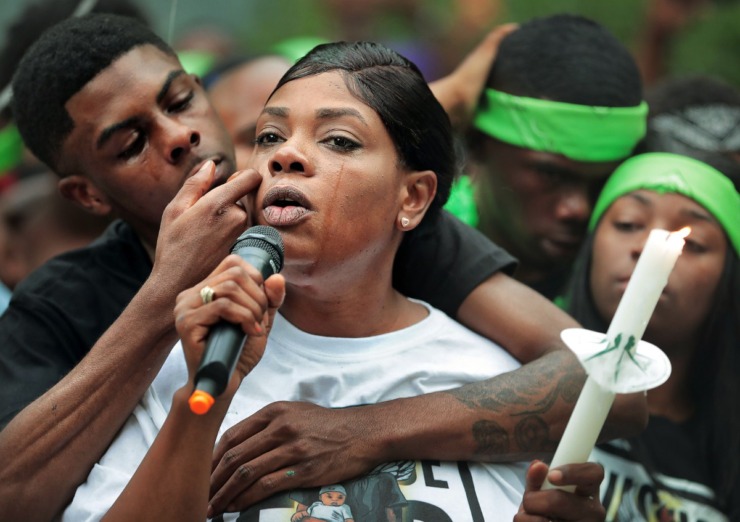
<point>60,63</point>
<point>394,88</point>
<point>567,58</point>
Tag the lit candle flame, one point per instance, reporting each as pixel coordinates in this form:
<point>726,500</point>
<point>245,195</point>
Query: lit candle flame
<point>685,231</point>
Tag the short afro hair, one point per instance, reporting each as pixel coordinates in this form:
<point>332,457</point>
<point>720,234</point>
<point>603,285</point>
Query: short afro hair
<point>567,58</point>
<point>59,64</point>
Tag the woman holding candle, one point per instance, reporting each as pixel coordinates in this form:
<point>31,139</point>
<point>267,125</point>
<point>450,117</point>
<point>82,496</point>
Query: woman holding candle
<point>685,466</point>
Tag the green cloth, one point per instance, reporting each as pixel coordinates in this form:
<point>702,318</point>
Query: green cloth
<point>671,173</point>
<point>579,132</point>
<point>461,202</point>
<point>11,148</point>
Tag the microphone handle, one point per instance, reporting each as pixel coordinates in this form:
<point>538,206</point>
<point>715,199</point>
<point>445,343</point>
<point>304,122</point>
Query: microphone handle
<point>222,351</point>
<point>225,341</point>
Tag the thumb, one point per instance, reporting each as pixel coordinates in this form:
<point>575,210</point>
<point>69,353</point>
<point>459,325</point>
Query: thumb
<point>275,291</point>
<point>536,475</point>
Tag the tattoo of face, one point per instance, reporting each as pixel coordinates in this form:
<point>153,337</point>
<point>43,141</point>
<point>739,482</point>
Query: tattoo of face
<point>491,438</point>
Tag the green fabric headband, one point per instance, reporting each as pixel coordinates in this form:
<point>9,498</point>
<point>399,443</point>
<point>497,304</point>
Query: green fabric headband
<point>579,132</point>
<point>671,173</point>
<point>11,148</point>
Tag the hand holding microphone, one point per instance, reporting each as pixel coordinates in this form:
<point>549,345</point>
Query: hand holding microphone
<point>261,247</point>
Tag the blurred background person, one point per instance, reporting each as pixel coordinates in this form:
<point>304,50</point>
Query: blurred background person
<point>699,116</point>
<point>40,224</point>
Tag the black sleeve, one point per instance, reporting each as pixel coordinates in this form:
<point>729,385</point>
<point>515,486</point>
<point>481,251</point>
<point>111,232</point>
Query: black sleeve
<point>443,260</point>
<point>36,351</point>
<point>58,313</point>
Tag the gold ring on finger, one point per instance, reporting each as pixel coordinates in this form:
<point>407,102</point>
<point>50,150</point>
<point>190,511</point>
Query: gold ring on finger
<point>207,294</point>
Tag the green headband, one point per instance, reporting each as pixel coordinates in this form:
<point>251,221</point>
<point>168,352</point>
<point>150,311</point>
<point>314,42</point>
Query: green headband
<point>579,132</point>
<point>11,148</point>
<point>671,173</point>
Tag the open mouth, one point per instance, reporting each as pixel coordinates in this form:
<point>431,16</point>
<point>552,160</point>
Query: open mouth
<point>285,196</point>
<point>284,206</point>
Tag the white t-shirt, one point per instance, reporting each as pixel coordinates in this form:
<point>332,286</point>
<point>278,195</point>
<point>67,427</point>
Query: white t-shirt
<point>435,354</point>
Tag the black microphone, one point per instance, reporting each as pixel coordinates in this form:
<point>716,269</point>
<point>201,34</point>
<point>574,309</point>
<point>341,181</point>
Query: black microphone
<point>261,247</point>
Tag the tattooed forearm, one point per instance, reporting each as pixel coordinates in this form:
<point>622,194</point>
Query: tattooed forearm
<point>533,388</point>
<point>518,410</point>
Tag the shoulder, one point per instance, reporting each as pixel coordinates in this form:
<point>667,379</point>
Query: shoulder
<point>446,334</point>
<point>117,255</point>
<point>444,259</point>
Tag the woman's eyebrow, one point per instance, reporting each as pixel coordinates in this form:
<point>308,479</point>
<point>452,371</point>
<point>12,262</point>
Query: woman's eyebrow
<point>279,112</point>
<point>330,113</point>
<point>641,199</point>
<point>697,215</point>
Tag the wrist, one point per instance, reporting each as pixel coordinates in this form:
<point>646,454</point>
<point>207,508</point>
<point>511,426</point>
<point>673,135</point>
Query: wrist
<point>210,420</point>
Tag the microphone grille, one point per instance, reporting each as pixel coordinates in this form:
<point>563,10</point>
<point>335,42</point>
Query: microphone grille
<point>265,238</point>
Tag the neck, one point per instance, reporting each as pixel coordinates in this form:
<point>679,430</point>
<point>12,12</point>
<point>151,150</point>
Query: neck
<point>350,310</point>
<point>146,235</point>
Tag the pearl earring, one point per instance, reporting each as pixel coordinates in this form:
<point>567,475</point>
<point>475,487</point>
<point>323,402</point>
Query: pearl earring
<point>404,222</point>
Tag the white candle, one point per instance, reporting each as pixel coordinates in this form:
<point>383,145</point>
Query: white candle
<point>633,313</point>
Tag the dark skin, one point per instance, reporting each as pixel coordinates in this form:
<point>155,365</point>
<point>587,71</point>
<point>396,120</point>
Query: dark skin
<point>538,505</point>
<point>535,204</point>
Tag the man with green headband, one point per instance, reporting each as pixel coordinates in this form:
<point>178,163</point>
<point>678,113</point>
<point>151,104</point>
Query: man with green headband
<point>561,109</point>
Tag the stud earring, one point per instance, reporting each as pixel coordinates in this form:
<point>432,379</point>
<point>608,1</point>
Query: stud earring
<point>404,222</point>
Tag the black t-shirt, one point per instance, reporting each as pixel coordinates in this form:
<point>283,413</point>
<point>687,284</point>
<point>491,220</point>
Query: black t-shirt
<point>443,260</point>
<point>662,475</point>
<point>59,312</point>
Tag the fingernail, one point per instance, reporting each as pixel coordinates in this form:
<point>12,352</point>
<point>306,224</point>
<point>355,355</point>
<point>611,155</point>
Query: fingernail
<point>208,165</point>
<point>258,327</point>
<point>209,512</point>
<point>555,475</point>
